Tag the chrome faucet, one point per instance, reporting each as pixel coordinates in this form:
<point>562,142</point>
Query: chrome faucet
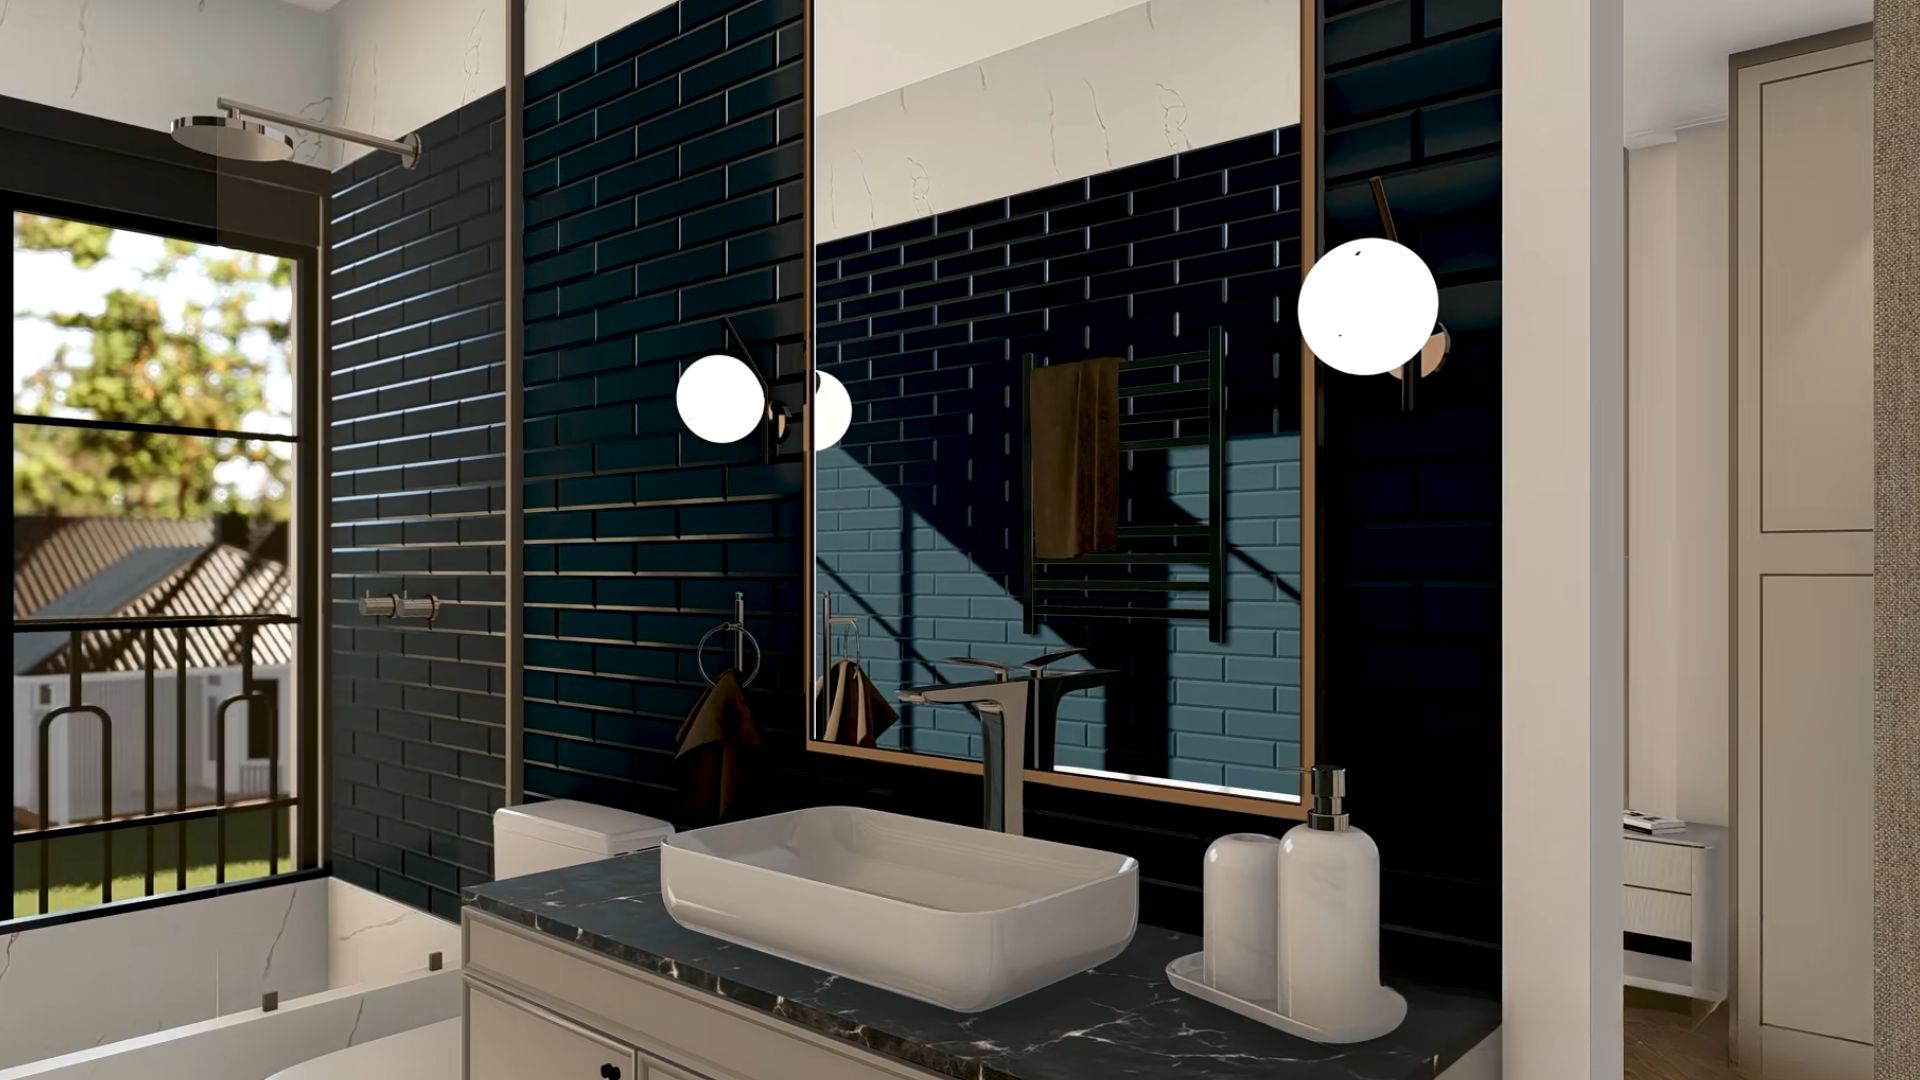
<point>1016,716</point>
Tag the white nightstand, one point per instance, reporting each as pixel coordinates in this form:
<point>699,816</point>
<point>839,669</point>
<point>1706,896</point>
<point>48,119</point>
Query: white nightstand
<point>1675,888</point>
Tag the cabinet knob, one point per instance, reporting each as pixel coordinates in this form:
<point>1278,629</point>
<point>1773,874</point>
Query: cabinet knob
<point>609,1071</point>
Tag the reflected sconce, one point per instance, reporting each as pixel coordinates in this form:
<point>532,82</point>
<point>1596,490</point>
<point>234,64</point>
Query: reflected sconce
<point>724,398</point>
<point>832,410</point>
<point>1371,307</point>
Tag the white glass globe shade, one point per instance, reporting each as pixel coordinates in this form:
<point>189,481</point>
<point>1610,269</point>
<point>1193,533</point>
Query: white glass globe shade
<point>719,399</point>
<point>832,411</point>
<point>1368,306</point>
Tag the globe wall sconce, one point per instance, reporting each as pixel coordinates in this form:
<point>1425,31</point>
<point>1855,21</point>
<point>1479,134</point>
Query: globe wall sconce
<point>1371,307</point>
<point>723,398</point>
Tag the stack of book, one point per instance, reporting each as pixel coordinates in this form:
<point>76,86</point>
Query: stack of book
<point>1652,823</point>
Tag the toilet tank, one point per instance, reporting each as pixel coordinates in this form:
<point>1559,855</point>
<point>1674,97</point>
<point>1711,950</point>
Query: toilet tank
<point>562,832</point>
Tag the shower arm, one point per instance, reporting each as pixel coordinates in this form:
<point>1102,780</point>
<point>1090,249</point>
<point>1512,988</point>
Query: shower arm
<point>407,146</point>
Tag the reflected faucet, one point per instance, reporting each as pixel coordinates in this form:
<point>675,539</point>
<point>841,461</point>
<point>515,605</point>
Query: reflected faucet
<point>1017,716</point>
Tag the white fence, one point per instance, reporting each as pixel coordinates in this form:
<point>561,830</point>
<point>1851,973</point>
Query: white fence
<point>74,741</point>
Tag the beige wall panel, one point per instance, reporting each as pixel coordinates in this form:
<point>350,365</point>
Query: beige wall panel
<point>1653,641</point>
<point>1679,380</point>
<point>1703,485</point>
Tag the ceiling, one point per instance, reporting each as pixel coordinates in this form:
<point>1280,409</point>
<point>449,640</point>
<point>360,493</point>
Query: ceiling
<point>1675,50</point>
<point>1676,53</point>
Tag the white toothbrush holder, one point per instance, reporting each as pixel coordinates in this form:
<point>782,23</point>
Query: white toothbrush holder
<point>1293,927</point>
<point>1240,900</point>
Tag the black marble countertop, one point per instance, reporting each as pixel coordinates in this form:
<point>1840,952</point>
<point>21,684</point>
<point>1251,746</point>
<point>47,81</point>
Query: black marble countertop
<point>1120,1019</point>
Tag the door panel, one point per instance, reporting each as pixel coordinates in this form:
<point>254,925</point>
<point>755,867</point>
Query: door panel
<point>1803,247</point>
<point>1816,839</point>
<point>1816,286</point>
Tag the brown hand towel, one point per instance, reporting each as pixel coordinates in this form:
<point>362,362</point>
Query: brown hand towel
<point>1074,416</point>
<point>717,743</point>
<point>856,711</point>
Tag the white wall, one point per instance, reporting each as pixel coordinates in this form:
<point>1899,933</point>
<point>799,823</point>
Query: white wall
<point>1680,390</point>
<point>146,62</point>
<point>1676,54</point>
<point>1149,81</point>
<point>1563,539</point>
<point>867,48</point>
<point>81,984</point>
<point>398,64</point>
<point>382,66</point>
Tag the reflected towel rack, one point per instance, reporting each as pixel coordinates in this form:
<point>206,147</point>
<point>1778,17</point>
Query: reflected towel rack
<point>1042,596</point>
<point>828,621</point>
<point>742,637</point>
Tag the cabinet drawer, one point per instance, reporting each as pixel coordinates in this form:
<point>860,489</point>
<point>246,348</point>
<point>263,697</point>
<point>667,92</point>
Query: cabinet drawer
<point>1668,867</point>
<point>674,1022</point>
<point>1656,914</point>
<point>510,1040</point>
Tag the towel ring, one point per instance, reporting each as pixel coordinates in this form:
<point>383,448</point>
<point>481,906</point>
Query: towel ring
<point>700,657</point>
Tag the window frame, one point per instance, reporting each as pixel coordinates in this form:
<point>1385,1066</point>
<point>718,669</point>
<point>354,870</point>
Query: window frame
<point>307,551</point>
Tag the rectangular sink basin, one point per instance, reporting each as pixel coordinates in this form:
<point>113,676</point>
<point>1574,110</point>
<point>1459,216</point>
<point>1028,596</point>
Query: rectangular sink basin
<point>957,917</point>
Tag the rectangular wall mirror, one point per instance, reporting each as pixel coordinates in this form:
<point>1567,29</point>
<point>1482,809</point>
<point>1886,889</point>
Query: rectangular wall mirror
<point>1057,251</point>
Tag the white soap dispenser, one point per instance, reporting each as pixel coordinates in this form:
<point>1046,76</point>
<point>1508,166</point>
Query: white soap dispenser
<point>1328,966</point>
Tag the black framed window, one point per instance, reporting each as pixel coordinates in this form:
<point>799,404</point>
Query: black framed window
<point>157,400</point>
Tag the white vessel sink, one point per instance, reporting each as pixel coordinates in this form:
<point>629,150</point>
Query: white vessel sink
<point>961,918</point>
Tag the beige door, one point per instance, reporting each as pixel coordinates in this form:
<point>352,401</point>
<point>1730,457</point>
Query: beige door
<point>1804,564</point>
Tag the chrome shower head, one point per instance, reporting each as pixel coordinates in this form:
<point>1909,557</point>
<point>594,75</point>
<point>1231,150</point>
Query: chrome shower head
<point>231,138</point>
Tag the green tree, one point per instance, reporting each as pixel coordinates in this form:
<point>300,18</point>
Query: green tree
<point>141,366</point>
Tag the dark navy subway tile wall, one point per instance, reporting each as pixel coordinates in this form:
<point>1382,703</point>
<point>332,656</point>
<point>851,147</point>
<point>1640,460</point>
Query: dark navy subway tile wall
<point>664,168</point>
<point>1409,504</point>
<point>919,507</point>
<point>416,464</point>
<point>664,192</point>
<point>663,188</point>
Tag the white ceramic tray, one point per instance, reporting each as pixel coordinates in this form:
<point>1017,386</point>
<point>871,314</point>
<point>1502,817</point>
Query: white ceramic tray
<point>1186,976</point>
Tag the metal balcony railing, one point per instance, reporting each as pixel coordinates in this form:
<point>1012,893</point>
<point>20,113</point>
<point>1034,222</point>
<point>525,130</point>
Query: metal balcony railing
<point>145,812</point>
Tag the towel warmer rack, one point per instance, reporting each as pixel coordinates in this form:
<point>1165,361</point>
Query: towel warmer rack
<point>1042,596</point>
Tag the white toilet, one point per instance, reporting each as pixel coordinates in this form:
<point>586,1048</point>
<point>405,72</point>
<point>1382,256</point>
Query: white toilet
<point>526,840</point>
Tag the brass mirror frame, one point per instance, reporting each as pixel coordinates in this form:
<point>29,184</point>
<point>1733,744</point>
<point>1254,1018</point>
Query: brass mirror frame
<point>1310,406</point>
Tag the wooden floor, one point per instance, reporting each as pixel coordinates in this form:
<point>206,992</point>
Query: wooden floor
<point>1671,1038</point>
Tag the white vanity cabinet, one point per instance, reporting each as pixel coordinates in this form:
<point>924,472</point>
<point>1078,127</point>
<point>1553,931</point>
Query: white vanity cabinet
<point>538,1008</point>
<point>509,1039</point>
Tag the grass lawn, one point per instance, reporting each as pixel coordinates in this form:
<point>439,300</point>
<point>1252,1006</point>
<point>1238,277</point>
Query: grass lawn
<point>75,870</point>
